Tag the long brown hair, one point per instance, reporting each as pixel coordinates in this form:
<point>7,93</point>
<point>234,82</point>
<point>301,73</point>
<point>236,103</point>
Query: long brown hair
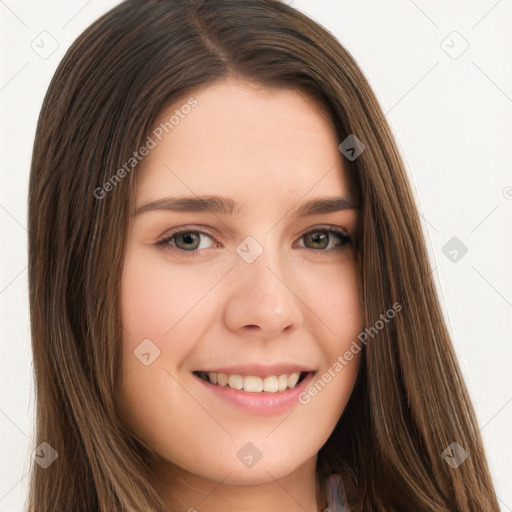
<point>409,402</point>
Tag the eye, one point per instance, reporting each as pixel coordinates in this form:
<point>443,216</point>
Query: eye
<point>186,241</point>
<point>191,242</point>
<point>326,240</point>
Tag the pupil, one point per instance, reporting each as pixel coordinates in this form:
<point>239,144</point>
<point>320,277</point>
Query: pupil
<point>189,238</point>
<point>319,238</point>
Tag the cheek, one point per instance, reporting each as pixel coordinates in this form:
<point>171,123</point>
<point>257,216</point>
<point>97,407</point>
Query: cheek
<point>156,296</point>
<point>339,309</point>
<point>159,303</point>
<point>333,295</point>
<point>161,312</point>
<point>336,318</point>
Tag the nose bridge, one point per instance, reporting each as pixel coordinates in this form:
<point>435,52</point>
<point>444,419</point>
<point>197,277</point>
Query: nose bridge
<point>266,271</point>
<point>261,293</point>
<point>260,272</point>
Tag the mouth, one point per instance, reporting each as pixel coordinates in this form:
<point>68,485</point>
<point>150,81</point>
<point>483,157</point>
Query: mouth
<point>255,383</point>
<point>256,390</point>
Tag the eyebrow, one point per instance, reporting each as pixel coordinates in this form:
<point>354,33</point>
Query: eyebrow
<point>226,206</point>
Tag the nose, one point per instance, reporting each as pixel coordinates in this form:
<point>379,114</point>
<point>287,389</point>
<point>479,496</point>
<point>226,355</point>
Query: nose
<point>262,301</point>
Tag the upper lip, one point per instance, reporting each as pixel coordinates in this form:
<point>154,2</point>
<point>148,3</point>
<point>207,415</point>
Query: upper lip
<point>259,370</point>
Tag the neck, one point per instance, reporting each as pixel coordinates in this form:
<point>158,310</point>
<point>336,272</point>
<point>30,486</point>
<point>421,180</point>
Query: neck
<point>186,492</point>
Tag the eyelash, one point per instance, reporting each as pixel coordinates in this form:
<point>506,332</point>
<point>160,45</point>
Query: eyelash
<point>165,244</point>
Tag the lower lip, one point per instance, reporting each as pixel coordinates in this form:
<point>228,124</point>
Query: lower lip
<point>262,404</point>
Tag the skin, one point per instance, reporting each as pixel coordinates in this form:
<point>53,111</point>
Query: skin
<point>269,150</point>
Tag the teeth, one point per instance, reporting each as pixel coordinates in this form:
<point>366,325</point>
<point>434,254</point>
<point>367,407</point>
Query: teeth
<point>222,379</point>
<point>236,381</point>
<point>253,384</point>
<point>270,384</point>
<point>293,379</point>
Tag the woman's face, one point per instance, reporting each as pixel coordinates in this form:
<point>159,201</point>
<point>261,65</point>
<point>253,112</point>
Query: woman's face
<point>254,290</point>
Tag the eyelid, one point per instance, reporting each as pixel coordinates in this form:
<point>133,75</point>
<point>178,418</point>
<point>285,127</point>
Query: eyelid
<point>205,230</point>
<point>327,227</point>
<point>192,228</point>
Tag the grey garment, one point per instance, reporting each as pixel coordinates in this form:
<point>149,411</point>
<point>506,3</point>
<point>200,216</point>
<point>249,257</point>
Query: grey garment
<point>336,498</point>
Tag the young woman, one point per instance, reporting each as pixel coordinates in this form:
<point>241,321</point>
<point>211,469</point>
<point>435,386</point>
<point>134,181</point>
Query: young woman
<point>232,306</point>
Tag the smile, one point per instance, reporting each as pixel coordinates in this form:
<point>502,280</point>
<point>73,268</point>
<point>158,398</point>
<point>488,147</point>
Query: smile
<point>259,391</point>
<point>252,383</point>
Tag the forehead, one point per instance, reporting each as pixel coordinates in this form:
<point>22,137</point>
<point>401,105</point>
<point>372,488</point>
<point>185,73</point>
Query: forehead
<point>243,140</point>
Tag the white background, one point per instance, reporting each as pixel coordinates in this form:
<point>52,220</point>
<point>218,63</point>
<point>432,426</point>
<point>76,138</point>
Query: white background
<point>451,117</point>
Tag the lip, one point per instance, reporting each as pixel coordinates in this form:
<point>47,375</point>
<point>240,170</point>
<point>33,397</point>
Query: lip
<point>260,370</point>
<point>263,403</point>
